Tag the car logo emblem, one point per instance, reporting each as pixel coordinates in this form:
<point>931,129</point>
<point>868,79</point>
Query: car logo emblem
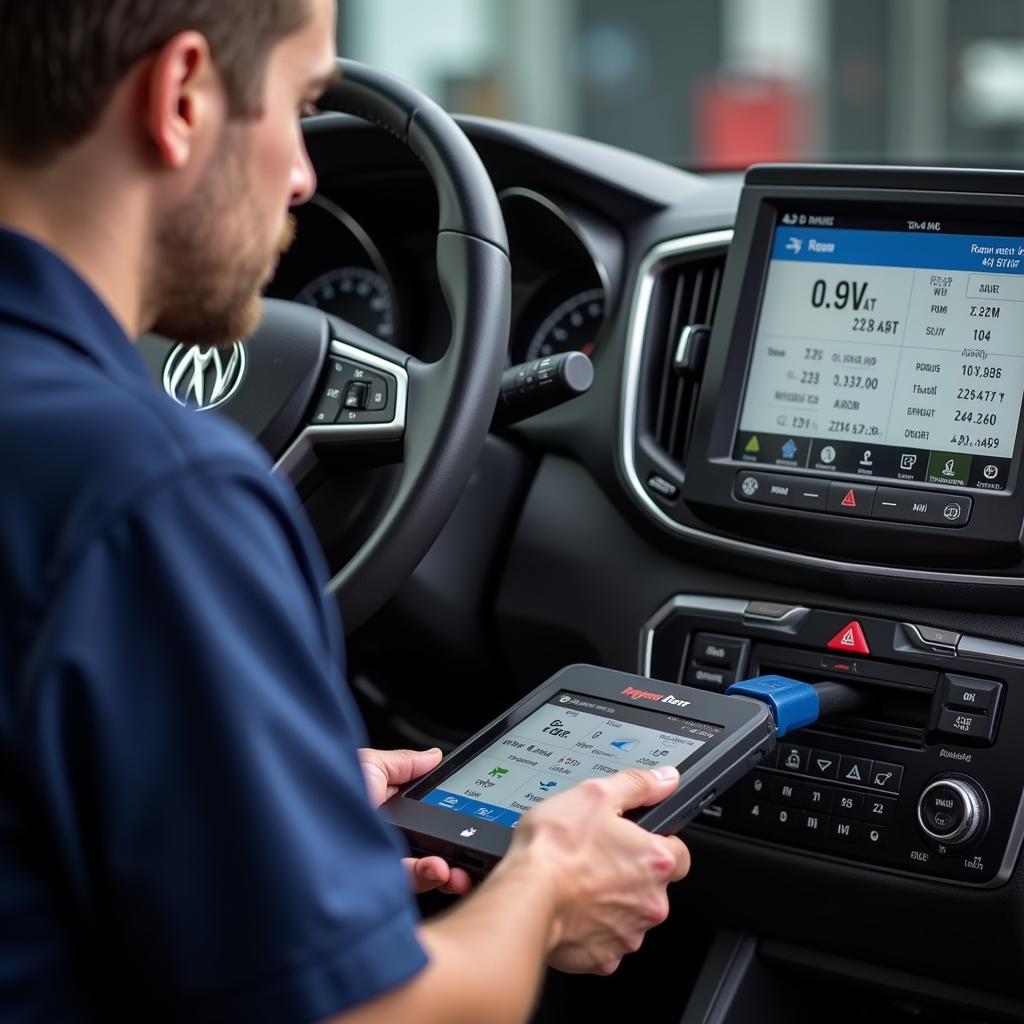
<point>203,378</point>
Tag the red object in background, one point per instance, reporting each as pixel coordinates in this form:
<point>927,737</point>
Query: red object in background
<point>745,121</point>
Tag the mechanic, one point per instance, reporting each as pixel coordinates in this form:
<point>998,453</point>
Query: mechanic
<point>185,829</point>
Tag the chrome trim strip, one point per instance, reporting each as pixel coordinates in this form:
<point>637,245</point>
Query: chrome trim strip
<point>299,457</point>
<point>675,250</point>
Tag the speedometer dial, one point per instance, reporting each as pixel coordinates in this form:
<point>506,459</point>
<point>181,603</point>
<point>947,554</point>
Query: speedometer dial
<point>570,327</point>
<point>356,294</point>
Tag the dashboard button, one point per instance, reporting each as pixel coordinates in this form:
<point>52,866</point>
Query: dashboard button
<point>850,639</point>
<point>927,508</point>
<point>856,770</point>
<point>844,831</point>
<point>662,487</point>
<point>811,823</point>
<point>708,677</point>
<point>965,724</point>
<point>879,810</point>
<point>851,499</point>
<point>849,805</point>
<point>942,810</point>
<point>953,811</point>
<point>768,610</point>
<point>792,758</point>
<point>712,649</point>
<point>938,637</point>
<point>870,835</point>
<point>784,791</point>
<point>971,694</point>
<point>886,777</point>
<point>754,785</point>
<point>783,490</point>
<point>815,797</point>
<point>824,764</point>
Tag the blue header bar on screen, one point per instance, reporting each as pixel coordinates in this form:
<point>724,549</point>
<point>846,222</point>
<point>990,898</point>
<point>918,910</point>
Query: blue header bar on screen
<point>984,253</point>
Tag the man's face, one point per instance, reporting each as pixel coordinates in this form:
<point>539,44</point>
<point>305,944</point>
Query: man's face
<point>217,250</point>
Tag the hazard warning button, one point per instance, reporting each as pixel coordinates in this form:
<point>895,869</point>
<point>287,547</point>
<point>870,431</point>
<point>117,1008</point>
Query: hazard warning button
<point>850,639</point>
<point>851,499</point>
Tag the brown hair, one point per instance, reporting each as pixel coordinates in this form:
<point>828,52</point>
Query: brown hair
<point>60,60</point>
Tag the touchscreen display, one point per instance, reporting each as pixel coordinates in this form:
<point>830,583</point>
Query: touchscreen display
<point>566,740</point>
<point>888,348</point>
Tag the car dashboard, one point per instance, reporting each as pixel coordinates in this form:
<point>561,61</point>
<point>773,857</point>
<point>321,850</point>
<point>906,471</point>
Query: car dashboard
<point>793,458</point>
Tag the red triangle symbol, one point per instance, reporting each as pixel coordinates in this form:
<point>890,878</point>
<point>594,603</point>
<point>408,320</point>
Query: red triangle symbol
<point>850,639</point>
<point>850,501</point>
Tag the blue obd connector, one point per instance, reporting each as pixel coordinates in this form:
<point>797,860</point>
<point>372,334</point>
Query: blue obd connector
<point>793,704</point>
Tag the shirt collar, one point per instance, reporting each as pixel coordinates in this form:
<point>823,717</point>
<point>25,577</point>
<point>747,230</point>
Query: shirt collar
<point>39,289</point>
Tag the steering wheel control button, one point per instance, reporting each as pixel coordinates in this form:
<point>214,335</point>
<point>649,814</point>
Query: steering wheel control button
<point>977,695</point>
<point>356,394</point>
<point>966,725</point>
<point>851,499</point>
<point>855,771</point>
<point>850,639</point>
<point>792,758</point>
<point>711,649</point>
<point>377,394</point>
<point>824,764</point>
<point>329,406</point>
<point>886,777</point>
<point>952,811</point>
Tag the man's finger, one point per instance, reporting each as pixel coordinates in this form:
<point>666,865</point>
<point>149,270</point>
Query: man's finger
<point>635,787</point>
<point>402,766</point>
<point>427,873</point>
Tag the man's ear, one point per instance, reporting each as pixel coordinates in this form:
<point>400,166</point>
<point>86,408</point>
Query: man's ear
<point>185,100</point>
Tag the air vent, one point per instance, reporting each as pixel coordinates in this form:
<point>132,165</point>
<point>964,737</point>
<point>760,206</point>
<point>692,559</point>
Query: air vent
<point>684,301</point>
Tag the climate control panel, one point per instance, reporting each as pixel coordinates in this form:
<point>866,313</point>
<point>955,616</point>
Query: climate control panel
<point>924,779</point>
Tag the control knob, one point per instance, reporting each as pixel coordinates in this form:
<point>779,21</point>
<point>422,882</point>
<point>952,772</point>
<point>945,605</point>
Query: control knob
<point>953,811</point>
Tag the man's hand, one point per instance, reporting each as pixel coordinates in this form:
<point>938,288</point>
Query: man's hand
<point>611,875</point>
<point>385,771</point>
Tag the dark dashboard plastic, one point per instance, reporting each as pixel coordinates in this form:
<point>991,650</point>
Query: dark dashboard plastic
<point>576,569</point>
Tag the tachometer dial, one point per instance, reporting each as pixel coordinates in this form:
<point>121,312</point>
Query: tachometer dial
<point>356,294</point>
<point>570,327</point>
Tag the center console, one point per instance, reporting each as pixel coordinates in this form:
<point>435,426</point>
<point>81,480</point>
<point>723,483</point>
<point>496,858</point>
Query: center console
<point>925,780</point>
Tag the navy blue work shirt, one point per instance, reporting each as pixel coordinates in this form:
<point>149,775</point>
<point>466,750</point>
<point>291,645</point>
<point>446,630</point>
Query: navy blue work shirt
<point>184,828</point>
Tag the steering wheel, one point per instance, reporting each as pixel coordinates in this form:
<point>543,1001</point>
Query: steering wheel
<point>319,394</point>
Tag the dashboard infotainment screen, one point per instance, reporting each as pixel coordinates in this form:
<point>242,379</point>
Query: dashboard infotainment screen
<point>888,348</point>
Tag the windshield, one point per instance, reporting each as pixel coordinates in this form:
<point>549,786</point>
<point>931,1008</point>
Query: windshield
<point>719,84</point>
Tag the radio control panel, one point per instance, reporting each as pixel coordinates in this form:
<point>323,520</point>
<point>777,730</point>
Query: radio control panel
<point>923,780</point>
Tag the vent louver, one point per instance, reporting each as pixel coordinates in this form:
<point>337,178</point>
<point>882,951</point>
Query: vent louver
<point>685,296</point>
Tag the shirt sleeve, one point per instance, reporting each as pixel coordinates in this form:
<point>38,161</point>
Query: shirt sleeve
<point>194,744</point>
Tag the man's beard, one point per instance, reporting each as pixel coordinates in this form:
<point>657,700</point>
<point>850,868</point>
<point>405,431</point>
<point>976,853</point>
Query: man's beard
<point>211,263</point>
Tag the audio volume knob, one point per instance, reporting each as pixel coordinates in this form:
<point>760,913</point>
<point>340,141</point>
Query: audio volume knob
<point>953,810</point>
